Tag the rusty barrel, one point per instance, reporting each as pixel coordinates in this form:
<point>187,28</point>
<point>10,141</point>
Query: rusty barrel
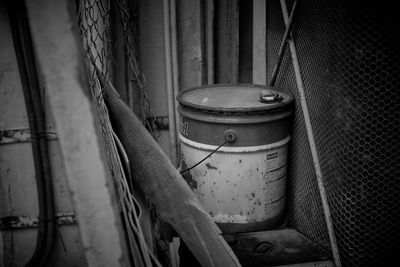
<point>242,184</point>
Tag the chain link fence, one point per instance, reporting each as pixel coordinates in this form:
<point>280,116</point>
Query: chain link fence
<point>94,23</point>
<point>349,52</point>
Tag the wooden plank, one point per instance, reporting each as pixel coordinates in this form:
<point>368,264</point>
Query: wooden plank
<point>259,42</point>
<point>227,41</point>
<point>58,54</point>
<point>276,248</point>
<point>158,178</point>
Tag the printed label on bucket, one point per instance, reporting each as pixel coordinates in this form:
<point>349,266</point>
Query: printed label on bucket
<point>275,179</point>
<point>184,127</point>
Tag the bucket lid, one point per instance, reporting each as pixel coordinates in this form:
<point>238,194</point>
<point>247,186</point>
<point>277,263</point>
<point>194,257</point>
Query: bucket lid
<point>234,98</point>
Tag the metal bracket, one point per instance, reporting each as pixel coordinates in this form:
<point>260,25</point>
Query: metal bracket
<point>11,136</point>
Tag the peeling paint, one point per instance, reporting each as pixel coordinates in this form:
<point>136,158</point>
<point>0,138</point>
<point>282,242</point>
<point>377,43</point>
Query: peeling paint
<point>227,218</point>
<point>22,222</point>
<point>211,167</point>
<point>187,176</point>
<point>12,136</point>
<point>239,192</point>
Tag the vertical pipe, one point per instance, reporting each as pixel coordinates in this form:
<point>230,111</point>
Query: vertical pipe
<point>27,65</point>
<point>169,82</point>
<point>210,40</point>
<point>175,70</point>
<point>311,140</point>
<point>33,127</point>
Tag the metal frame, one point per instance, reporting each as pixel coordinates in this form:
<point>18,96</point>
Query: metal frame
<point>288,38</point>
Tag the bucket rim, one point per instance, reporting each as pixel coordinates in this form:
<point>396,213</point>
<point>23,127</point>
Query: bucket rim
<point>287,100</point>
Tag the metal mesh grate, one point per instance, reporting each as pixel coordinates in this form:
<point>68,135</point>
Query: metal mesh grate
<point>349,52</point>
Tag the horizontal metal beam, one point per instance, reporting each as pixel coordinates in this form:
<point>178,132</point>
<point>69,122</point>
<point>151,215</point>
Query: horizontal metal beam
<point>23,222</point>
<point>11,136</point>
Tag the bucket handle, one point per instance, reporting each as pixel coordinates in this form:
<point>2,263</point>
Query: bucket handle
<point>230,136</point>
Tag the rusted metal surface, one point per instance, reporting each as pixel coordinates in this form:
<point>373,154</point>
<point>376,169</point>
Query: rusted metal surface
<point>23,135</point>
<point>242,188</point>
<point>22,222</point>
<point>285,247</point>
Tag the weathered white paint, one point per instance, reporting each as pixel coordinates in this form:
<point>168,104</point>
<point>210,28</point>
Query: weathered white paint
<point>239,184</point>
<point>237,218</point>
<point>235,149</point>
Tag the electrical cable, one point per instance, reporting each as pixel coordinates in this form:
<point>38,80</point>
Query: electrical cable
<point>30,84</point>
<point>228,139</point>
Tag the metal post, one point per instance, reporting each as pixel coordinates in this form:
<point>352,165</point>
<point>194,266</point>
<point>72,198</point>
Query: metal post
<point>282,47</point>
<point>311,140</point>
<point>169,82</point>
<point>209,36</point>
<point>175,72</point>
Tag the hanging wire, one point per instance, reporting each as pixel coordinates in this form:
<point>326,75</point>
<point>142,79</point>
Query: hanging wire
<point>134,71</point>
<point>228,139</point>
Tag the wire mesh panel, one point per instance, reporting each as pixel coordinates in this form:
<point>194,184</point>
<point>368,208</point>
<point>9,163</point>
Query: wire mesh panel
<point>349,53</point>
<point>93,16</point>
<point>303,203</point>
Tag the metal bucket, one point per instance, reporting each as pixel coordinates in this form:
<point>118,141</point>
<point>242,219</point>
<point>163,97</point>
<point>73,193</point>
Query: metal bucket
<point>242,184</point>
